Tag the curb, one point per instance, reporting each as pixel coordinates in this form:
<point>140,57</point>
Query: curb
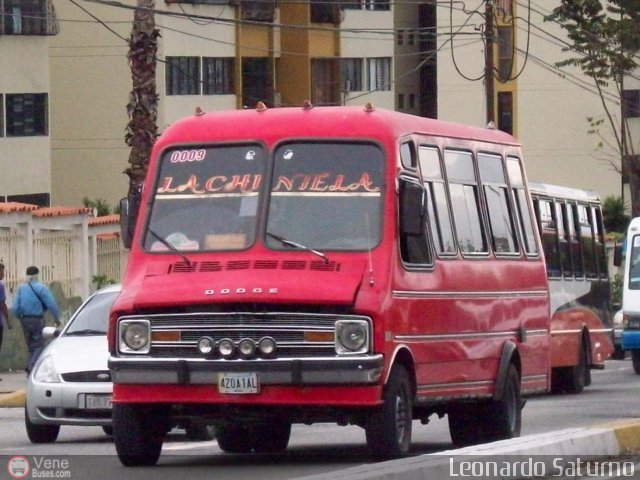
<point>13,400</point>
<point>550,452</point>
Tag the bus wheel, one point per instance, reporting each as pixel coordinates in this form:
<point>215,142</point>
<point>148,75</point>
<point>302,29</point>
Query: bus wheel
<point>504,416</point>
<point>635,360</point>
<point>463,426</point>
<point>234,438</point>
<point>388,429</point>
<point>271,437</point>
<point>200,432</point>
<point>138,433</point>
<point>579,376</point>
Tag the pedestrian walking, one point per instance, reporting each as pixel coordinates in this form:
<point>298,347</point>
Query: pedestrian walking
<point>32,300</point>
<point>4,312</point>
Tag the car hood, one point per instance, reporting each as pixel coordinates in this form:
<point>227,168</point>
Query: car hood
<point>79,354</point>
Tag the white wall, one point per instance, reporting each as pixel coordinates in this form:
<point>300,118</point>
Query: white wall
<point>25,162</point>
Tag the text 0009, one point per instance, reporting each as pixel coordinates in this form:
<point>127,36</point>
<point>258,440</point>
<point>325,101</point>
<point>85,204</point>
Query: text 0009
<point>238,383</point>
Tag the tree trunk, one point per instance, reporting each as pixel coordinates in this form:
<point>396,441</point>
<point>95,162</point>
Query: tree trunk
<point>142,108</point>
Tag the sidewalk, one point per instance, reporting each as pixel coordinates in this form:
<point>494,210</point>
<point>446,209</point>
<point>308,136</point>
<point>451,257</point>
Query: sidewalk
<point>12,389</point>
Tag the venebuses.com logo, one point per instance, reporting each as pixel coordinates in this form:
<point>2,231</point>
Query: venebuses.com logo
<point>38,467</point>
<point>18,467</point>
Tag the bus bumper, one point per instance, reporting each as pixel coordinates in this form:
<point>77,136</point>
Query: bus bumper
<point>297,372</point>
<point>630,339</point>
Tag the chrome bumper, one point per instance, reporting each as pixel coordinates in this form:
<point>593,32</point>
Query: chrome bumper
<point>303,371</point>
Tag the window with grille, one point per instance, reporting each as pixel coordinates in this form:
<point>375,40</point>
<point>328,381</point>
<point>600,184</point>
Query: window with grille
<point>218,75</point>
<point>379,71</point>
<point>27,17</point>
<point>351,72</point>
<point>182,75</point>
<point>26,114</point>
<point>631,103</point>
<point>325,81</point>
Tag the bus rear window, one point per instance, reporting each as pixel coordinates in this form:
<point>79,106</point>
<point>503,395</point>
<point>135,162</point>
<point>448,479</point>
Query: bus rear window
<point>326,196</point>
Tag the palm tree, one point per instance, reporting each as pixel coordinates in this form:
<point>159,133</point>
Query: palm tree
<point>142,108</point>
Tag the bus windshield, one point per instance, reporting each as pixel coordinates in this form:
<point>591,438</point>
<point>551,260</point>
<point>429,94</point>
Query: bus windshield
<point>325,196</point>
<point>206,198</point>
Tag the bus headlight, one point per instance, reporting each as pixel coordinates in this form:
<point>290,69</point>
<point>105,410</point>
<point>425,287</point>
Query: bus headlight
<point>134,336</point>
<point>352,336</point>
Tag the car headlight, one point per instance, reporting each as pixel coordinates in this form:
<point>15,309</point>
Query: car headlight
<point>352,336</point>
<point>45,371</point>
<point>134,336</point>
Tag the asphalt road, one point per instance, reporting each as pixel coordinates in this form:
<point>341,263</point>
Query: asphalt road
<point>314,449</point>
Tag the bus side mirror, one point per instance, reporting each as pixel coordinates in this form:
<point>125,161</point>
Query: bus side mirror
<point>617,255</point>
<point>411,209</point>
<point>129,207</point>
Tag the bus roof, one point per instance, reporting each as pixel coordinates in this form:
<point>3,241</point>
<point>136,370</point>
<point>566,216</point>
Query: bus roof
<point>559,191</point>
<point>273,124</point>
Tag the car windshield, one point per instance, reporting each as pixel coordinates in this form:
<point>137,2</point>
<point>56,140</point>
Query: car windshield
<point>206,198</point>
<point>93,317</point>
<point>325,196</point>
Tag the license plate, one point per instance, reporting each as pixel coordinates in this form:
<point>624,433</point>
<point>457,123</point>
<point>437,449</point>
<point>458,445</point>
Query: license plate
<point>238,383</point>
<point>95,401</point>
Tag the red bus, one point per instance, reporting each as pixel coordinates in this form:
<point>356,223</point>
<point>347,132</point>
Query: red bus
<point>328,264</point>
<point>570,222</point>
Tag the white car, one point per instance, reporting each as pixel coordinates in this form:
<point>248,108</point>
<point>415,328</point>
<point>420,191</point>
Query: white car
<point>70,383</point>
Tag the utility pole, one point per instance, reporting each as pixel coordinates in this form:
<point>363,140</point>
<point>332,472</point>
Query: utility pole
<point>142,108</point>
<point>489,34</point>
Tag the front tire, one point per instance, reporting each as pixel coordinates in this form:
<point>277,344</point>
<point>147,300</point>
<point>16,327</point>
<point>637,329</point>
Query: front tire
<point>388,429</point>
<point>40,433</point>
<point>138,433</point>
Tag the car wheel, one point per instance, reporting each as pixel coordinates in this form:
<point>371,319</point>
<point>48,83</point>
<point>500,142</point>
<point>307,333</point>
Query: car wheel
<point>40,433</point>
<point>138,433</point>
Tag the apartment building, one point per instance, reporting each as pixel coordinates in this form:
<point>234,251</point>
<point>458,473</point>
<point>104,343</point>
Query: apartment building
<point>423,58</point>
<point>25,142</point>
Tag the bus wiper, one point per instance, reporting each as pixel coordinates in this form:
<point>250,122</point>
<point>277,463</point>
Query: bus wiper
<point>170,247</point>
<point>290,243</point>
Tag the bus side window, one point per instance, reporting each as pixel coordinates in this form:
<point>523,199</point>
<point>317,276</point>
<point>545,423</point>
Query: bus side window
<point>465,202</point>
<point>520,200</point>
<point>549,232</point>
<point>563,242</point>
<point>587,240</point>
<point>438,213</point>
<point>496,192</point>
<point>414,247</point>
<point>598,228</point>
<point>574,241</point>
